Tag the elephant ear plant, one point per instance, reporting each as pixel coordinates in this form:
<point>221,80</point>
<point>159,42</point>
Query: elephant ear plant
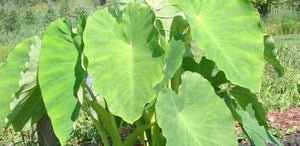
<point>142,58</point>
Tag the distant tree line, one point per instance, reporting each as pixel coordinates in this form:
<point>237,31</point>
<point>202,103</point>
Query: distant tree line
<point>265,6</point>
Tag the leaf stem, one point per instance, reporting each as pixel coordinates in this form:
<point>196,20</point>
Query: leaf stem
<point>107,118</point>
<point>176,80</point>
<point>98,126</point>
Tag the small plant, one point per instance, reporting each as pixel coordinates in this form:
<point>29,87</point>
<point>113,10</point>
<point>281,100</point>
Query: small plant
<point>144,76</point>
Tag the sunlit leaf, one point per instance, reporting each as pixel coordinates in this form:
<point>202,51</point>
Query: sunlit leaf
<point>196,116</point>
<point>230,33</point>
<point>57,77</point>
<point>125,59</point>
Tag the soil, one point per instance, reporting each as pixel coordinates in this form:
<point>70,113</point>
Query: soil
<point>283,120</point>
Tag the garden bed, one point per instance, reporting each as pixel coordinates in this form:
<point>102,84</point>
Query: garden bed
<point>283,121</point>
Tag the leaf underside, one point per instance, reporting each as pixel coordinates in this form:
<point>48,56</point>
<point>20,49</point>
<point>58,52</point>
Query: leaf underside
<point>10,76</point>
<point>27,105</point>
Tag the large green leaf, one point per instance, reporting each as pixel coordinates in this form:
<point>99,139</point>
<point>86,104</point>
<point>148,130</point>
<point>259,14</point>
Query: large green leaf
<point>27,105</point>
<point>270,56</point>
<point>195,117</point>
<point>10,76</point>
<point>57,77</point>
<point>125,59</point>
<point>230,33</point>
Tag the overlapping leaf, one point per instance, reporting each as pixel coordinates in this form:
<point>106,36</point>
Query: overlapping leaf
<point>258,134</point>
<point>244,96</point>
<point>27,105</point>
<point>57,77</point>
<point>205,68</point>
<point>10,76</point>
<point>165,13</point>
<point>229,32</point>
<point>195,117</point>
<point>174,52</point>
<point>125,59</point>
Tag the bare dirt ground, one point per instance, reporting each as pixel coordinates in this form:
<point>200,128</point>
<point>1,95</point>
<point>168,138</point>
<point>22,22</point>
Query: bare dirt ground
<point>283,120</point>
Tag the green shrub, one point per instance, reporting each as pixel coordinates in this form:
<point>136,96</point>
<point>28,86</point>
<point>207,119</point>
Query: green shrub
<point>10,21</point>
<point>29,17</point>
<point>282,22</point>
<point>51,13</point>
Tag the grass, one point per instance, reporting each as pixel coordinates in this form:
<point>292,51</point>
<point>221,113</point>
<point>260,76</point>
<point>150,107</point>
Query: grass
<point>282,23</point>
<point>280,93</point>
<point>85,133</point>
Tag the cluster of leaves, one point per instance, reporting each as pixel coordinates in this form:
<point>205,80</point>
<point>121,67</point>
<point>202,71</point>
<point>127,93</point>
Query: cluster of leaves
<point>138,55</point>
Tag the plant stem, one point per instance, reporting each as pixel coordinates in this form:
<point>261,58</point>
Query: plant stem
<point>99,127</point>
<point>176,80</point>
<point>116,139</point>
<point>107,118</point>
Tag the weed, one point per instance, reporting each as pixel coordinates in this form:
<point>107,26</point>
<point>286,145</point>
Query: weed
<point>26,137</point>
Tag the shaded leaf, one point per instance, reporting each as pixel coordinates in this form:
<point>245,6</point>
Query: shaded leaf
<point>258,135</point>
<point>244,96</point>
<point>205,67</point>
<point>178,26</point>
<point>174,52</point>
<point>165,13</point>
<point>27,105</point>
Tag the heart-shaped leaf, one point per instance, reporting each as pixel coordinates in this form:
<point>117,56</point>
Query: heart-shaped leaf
<point>125,59</point>
<point>230,33</point>
<point>197,116</point>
